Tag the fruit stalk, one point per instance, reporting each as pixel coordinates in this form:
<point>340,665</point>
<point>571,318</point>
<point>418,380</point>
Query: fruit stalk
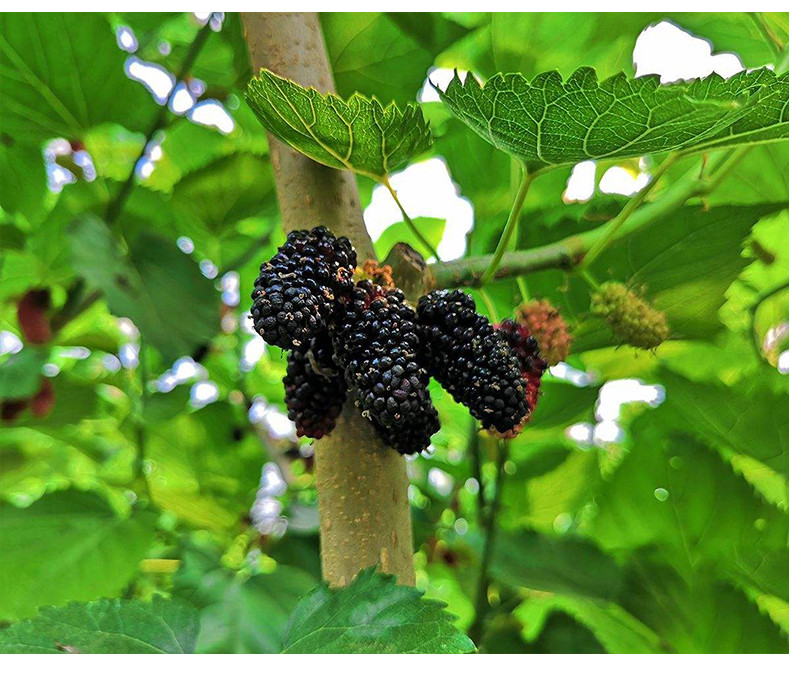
<point>362,484</point>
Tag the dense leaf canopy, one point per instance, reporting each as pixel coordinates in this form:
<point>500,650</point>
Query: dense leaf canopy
<point>153,495</point>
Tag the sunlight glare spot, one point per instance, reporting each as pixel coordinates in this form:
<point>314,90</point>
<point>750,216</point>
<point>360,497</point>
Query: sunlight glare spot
<point>126,39</point>
<point>157,79</point>
<point>185,244</point>
<point>441,79</point>
<point>674,54</point>
<point>581,183</point>
<point>203,393</point>
<point>212,114</point>
<point>618,180</point>
<point>10,343</point>
<point>440,481</point>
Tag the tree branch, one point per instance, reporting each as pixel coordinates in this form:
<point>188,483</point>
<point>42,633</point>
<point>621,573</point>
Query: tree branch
<point>568,253</point>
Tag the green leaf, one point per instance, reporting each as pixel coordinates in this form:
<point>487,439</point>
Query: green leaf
<point>617,630</point>
<point>548,122</point>
<point>737,32</point>
<point>747,419</point>
<point>200,472</point>
<point>565,565</point>
<point>20,374</point>
<point>699,616</point>
<point>372,615</point>
<point>674,493</point>
<point>155,285</point>
<point>226,191</point>
<point>239,614</point>
<point>23,179</point>
<point>161,626</point>
<point>358,134</point>
<point>63,74</point>
<point>67,546</point>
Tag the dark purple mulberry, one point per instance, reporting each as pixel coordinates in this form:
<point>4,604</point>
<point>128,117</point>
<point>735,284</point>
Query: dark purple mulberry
<point>472,360</point>
<point>314,388</point>
<point>376,341</point>
<point>294,296</point>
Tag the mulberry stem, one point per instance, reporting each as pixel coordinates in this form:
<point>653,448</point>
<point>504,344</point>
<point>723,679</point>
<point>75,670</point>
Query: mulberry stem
<point>415,230</point>
<point>510,226</point>
<point>636,201</point>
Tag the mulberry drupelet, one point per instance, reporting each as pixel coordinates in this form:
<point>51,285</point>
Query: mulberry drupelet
<point>472,360</point>
<point>314,388</point>
<point>294,296</point>
<point>376,341</point>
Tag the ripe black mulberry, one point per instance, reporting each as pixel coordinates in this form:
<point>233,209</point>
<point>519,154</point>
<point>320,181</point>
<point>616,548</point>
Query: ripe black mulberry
<point>296,293</point>
<point>314,388</point>
<point>376,341</point>
<point>472,360</point>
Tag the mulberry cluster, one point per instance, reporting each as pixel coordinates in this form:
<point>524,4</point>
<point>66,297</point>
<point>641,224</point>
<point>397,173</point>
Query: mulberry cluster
<point>549,329</point>
<point>632,319</point>
<point>295,295</point>
<point>364,338</point>
<point>472,360</point>
<point>531,363</point>
<point>314,388</point>
<point>376,341</point>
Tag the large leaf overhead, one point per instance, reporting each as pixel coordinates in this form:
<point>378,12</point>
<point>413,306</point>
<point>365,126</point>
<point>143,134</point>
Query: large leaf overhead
<point>106,627</point>
<point>548,121</point>
<point>62,74</point>
<point>372,615</point>
<point>357,134</point>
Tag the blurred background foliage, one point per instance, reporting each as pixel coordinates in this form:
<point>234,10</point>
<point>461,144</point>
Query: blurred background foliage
<point>143,445</point>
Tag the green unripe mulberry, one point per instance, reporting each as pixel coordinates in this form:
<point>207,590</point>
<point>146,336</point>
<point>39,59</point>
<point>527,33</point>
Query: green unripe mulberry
<point>632,319</point>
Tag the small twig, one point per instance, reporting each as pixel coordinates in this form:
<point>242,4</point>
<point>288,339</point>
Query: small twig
<point>510,226</point>
<point>139,460</point>
<point>634,203</point>
<point>415,230</point>
<point>115,206</point>
<point>587,277</point>
<point>489,530</point>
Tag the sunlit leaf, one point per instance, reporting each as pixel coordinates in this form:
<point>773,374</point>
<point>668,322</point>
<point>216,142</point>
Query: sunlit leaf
<point>357,134</point>
<point>547,121</point>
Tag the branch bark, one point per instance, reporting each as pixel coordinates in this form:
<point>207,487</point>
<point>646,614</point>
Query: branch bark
<point>362,485</point>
